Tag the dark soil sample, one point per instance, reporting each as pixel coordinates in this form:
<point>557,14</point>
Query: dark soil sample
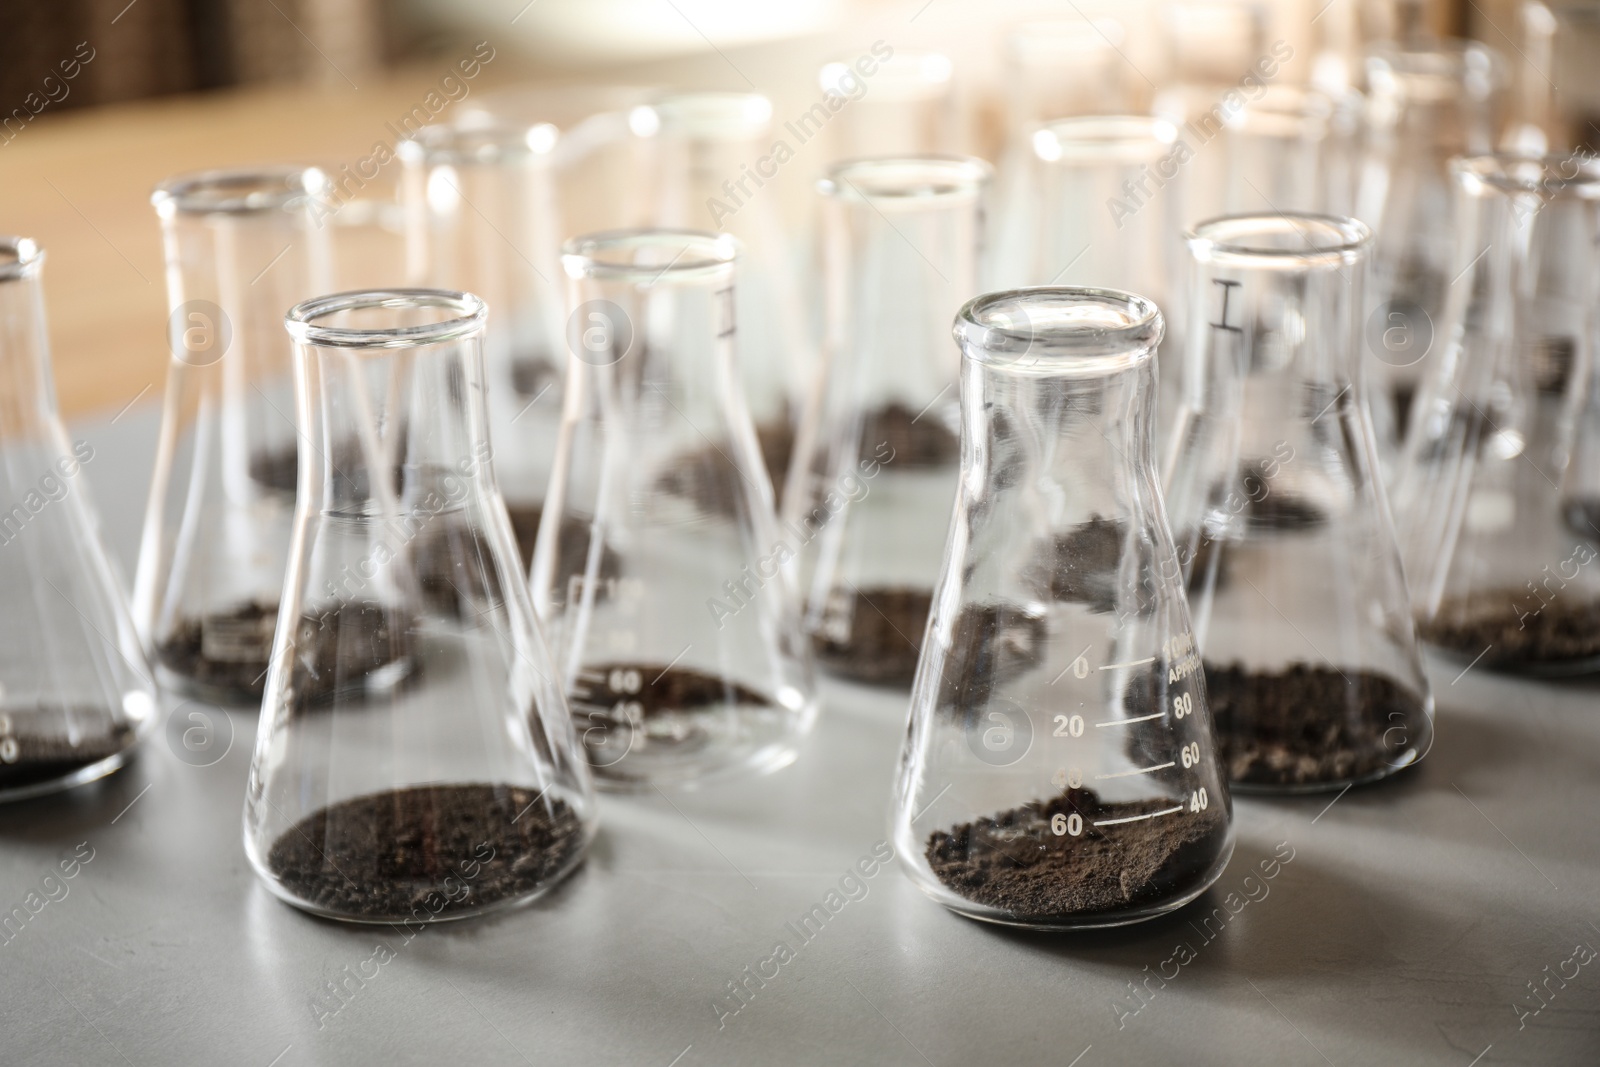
<point>341,652</point>
<point>1583,516</point>
<point>35,746</point>
<point>884,628</point>
<point>1503,628</point>
<point>1469,430</point>
<point>776,441</point>
<point>533,373</point>
<point>278,470</point>
<point>435,850</point>
<point>1204,550</point>
<point>990,643</point>
<point>709,477</point>
<point>631,705</point>
<point>1310,725</point>
<point>918,440</point>
<point>1270,506</point>
<point>1401,396</point>
<point>575,533</point>
<point>1015,862</point>
<point>1081,565</point>
<point>225,652</point>
<point>1551,360</point>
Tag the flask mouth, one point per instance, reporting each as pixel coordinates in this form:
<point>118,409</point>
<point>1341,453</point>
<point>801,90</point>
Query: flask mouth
<point>1284,112</point>
<point>713,116</point>
<point>907,181</point>
<point>907,75</point>
<point>1282,241</point>
<point>1105,139</point>
<point>1437,72</point>
<point>484,141</point>
<point>20,257</point>
<point>648,256</point>
<point>1552,177</point>
<point>386,318</point>
<point>239,192</point>
<point>1060,330</point>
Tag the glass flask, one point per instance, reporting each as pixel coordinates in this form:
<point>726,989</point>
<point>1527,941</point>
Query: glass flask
<point>1279,153</point>
<point>483,218</point>
<point>604,146</point>
<point>242,247</point>
<point>1311,665</point>
<point>879,450</point>
<point>905,106</point>
<point>1427,102</point>
<point>661,572</point>
<point>366,225</point>
<point>76,692</point>
<point>715,156</point>
<point>1107,204</point>
<point>414,762</point>
<point>1059,770</point>
<point>1054,70</point>
<point>1501,560</point>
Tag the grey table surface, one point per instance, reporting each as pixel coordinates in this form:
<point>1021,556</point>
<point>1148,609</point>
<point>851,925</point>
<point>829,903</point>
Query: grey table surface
<point>1413,924</point>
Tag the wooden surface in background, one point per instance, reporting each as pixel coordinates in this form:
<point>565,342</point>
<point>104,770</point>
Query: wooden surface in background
<point>79,184</point>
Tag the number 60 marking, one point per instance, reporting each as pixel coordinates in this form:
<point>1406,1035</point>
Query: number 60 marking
<point>1066,825</point>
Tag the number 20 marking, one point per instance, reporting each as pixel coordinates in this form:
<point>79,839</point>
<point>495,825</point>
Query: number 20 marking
<point>1069,726</point>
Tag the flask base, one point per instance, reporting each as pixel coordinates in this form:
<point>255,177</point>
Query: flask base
<point>426,853</point>
<point>1075,861</point>
<point>37,758</point>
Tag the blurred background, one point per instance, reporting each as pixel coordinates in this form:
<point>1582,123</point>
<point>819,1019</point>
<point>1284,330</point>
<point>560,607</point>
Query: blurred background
<point>101,99</point>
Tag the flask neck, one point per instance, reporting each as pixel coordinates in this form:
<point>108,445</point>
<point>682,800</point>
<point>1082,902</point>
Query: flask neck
<point>902,240</point>
<point>27,396</point>
<point>397,431</point>
<point>1264,319</point>
<point>1074,440</point>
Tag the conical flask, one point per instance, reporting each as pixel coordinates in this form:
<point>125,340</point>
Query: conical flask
<point>483,218</point>
<point>1108,196</point>
<point>1498,578</point>
<point>75,688</point>
<point>1311,664</point>
<point>414,762</point>
<point>879,450</point>
<point>1059,771</point>
<point>1429,101</point>
<point>242,247</point>
<point>682,656</point>
<point>896,102</point>
<point>716,157</point>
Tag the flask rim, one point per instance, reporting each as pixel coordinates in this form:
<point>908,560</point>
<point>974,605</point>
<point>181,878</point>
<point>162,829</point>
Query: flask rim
<point>1104,139</point>
<point>1434,71</point>
<point>471,313</point>
<point>239,191</point>
<point>909,75</point>
<point>906,180</point>
<point>20,257</point>
<point>487,141</point>
<point>1552,176</point>
<point>601,255</point>
<point>713,114</point>
<point>1095,330</point>
<point>1325,240</point>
